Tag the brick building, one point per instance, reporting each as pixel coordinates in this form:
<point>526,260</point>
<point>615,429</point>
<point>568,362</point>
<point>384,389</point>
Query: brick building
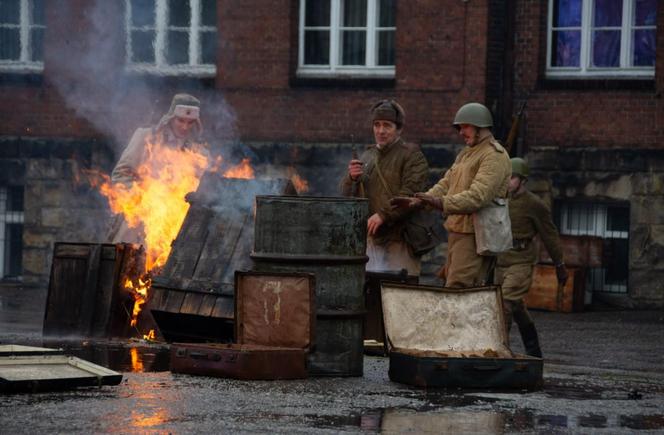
<point>289,83</point>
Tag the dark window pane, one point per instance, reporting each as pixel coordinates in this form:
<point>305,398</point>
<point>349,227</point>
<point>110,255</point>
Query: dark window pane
<point>15,198</point>
<point>606,48</point>
<point>616,261</point>
<point>37,44</point>
<point>387,13</point>
<point>13,250</point>
<point>208,47</point>
<point>178,48</point>
<point>567,13</point>
<point>386,47</point>
<point>142,46</point>
<point>10,44</point>
<point>317,13</point>
<point>355,13</point>
<point>608,13</point>
<point>142,13</point>
<point>10,11</point>
<point>317,47</point>
<point>209,13</point>
<point>179,13</point>
<point>566,48</point>
<point>644,48</point>
<point>38,12</point>
<point>645,12</point>
<point>354,47</point>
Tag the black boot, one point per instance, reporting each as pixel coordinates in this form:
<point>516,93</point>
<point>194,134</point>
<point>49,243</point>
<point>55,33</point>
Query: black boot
<point>530,340</point>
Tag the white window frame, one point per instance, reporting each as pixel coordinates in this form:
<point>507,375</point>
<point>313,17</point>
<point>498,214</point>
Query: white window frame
<point>625,70</point>
<point>6,217</point>
<point>24,64</point>
<point>161,67</point>
<point>335,68</point>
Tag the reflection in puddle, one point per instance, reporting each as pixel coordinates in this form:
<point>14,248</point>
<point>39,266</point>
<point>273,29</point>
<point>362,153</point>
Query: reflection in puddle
<point>400,421</point>
<point>642,422</point>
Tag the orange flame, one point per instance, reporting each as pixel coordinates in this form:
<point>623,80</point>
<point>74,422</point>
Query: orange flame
<point>140,293</point>
<point>301,185</point>
<point>242,170</point>
<point>136,361</point>
<point>156,201</point>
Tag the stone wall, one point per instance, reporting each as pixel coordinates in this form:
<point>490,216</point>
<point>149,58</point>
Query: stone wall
<point>635,176</point>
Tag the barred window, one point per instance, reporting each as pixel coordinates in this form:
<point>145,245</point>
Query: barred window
<point>22,27</point>
<point>172,37</point>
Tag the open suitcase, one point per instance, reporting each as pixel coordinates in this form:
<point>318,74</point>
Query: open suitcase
<point>274,330</point>
<point>441,337</point>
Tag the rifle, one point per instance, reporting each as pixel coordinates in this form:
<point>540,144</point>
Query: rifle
<point>358,188</point>
<point>514,129</point>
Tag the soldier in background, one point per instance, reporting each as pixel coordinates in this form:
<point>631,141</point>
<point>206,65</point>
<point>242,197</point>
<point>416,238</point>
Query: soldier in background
<point>514,272</point>
<point>390,167</point>
<point>480,173</point>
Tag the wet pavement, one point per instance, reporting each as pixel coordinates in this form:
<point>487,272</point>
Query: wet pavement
<point>603,374</point>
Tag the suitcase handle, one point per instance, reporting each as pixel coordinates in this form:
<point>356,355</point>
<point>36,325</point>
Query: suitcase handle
<point>204,355</point>
<point>486,367</point>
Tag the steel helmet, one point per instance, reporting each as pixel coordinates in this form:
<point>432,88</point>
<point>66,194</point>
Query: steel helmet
<point>520,167</point>
<point>474,114</point>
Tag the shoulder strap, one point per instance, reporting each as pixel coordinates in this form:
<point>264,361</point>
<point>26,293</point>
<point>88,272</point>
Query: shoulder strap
<point>382,179</point>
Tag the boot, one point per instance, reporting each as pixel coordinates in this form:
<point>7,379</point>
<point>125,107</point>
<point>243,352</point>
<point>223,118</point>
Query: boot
<point>530,340</point>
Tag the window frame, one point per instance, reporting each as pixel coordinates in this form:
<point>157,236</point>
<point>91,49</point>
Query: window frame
<point>24,65</point>
<point>334,68</point>
<point>585,70</point>
<point>160,66</point>
<point>7,217</point>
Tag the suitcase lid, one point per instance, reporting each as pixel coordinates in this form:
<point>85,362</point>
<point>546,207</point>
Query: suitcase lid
<point>275,309</point>
<point>439,320</point>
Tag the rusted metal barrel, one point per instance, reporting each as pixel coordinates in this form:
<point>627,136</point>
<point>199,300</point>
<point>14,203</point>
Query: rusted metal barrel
<point>327,237</point>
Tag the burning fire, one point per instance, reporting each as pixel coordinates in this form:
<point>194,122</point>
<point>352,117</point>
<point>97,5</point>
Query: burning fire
<point>242,170</point>
<point>301,185</point>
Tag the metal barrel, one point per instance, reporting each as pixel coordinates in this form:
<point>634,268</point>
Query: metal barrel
<point>326,237</point>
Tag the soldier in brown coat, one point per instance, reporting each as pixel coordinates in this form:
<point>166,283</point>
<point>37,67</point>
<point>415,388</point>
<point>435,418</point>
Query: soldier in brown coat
<point>390,167</point>
<point>479,174</point>
<point>530,217</point>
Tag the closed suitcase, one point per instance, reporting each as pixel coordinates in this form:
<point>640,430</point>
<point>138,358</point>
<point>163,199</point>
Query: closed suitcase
<point>274,329</point>
<point>440,337</point>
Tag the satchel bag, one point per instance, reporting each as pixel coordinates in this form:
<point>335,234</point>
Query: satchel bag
<point>493,228</point>
<point>423,228</point>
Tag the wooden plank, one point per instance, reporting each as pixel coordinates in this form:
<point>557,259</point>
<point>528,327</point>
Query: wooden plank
<point>224,308</point>
<point>544,293</point>
<point>187,245</point>
<point>207,305</point>
<point>71,250</point>
<point>63,305</point>
<point>192,302</point>
<point>174,301</point>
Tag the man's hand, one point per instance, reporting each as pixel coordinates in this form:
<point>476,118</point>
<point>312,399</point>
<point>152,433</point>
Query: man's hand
<point>430,200</point>
<point>405,202</point>
<point>355,169</point>
<point>561,274</point>
<point>374,222</point>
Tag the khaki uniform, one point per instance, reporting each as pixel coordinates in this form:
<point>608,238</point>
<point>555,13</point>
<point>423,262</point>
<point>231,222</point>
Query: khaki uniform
<point>405,171</point>
<point>514,272</point>
<point>479,174</point>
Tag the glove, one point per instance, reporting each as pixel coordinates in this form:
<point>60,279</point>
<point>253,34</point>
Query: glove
<point>405,202</point>
<point>429,200</point>
<point>561,273</point>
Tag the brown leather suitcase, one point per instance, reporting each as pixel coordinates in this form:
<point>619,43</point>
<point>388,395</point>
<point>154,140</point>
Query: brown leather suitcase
<point>274,330</point>
<point>441,337</point>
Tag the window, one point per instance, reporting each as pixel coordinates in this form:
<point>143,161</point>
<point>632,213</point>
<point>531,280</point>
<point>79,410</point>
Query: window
<point>11,232</point>
<point>347,38</point>
<point>611,223</point>
<point>22,28</point>
<point>601,38</point>
<point>172,37</point>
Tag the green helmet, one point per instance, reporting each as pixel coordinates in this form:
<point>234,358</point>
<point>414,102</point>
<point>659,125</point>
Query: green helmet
<point>519,167</point>
<point>474,114</point>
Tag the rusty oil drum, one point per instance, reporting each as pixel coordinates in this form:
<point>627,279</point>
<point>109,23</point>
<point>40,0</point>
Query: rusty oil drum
<point>327,237</point>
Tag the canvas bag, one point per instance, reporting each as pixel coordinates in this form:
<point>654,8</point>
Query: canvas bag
<point>493,228</point>
<point>423,228</point>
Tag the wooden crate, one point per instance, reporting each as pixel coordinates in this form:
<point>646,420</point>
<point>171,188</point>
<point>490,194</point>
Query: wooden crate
<point>86,295</point>
<point>578,251</point>
<point>544,293</point>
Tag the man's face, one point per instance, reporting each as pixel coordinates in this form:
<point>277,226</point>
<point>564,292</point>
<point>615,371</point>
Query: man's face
<point>182,126</point>
<point>385,132</point>
<point>514,184</point>
<point>468,132</point>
